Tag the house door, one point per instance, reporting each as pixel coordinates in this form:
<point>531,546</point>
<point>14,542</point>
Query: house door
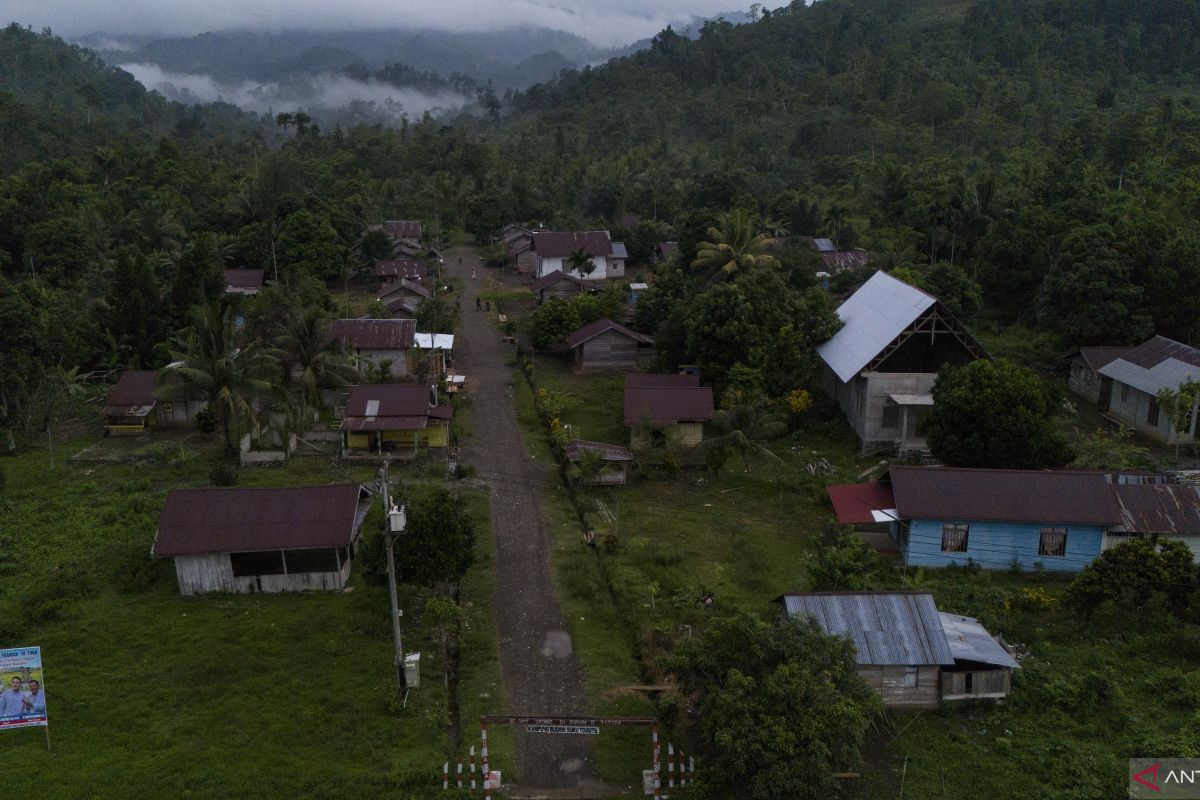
<point>1105,393</point>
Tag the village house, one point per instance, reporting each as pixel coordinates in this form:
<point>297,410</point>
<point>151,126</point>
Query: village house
<point>261,540</point>
<point>519,241</point>
<point>243,281</point>
<point>663,251</point>
<point>604,345</point>
<point>614,461</point>
<point>881,365</point>
<point>439,348</point>
<point>556,284</point>
<point>835,259</point>
<point>132,407</point>
<point>552,249</point>
<point>401,228</point>
<point>398,269</point>
<point>1036,519</point>
<point>1139,374</point>
<point>1085,379</point>
<point>908,651</point>
<point>394,418</point>
<point>658,403</point>
<point>375,341</point>
<point>401,298</point>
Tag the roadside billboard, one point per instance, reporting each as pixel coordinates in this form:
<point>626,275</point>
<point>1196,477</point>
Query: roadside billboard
<point>23,696</point>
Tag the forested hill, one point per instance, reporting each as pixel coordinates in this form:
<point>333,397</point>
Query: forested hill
<point>1047,147</point>
<point>57,99</point>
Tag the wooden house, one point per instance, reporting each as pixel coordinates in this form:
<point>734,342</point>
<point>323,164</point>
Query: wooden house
<point>376,341</point>
<point>881,365</point>
<point>909,652</point>
<point>398,269</point>
<point>261,540</point>
<point>835,259</point>
<point>1139,374</point>
<point>615,461</point>
<point>519,241</point>
<point>243,281</point>
<point>402,229</point>
<point>132,407</point>
<point>401,298</point>
<point>655,404</point>
<point>394,418</point>
<point>606,346</point>
<point>552,249</point>
<point>556,284</point>
<point>1085,379</point>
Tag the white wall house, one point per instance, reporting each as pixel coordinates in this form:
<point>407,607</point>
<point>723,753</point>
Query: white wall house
<point>553,249</point>
<point>1137,378</point>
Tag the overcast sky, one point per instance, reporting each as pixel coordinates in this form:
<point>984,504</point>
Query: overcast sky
<point>604,22</point>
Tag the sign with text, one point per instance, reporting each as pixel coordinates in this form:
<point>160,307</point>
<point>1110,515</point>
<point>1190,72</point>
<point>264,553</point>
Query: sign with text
<point>586,730</point>
<point>1165,778</point>
<point>23,698</point>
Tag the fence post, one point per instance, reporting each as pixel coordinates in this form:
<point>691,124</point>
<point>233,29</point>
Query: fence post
<point>483,752</point>
<point>670,766</point>
<point>472,759</point>
<point>657,763</point>
<point>459,774</point>
<point>446,776</point>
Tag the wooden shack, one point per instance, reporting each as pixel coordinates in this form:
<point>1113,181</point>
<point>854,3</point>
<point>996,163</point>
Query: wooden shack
<point>614,458</point>
<point>606,346</point>
<point>243,281</point>
<point>1085,379</point>
<point>657,403</point>
<point>132,407</point>
<point>262,540</point>
<point>908,651</point>
<point>556,284</point>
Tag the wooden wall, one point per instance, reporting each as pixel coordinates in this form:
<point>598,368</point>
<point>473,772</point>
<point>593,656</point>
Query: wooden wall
<point>984,684</point>
<point>211,573</point>
<point>609,351</point>
<point>905,686</point>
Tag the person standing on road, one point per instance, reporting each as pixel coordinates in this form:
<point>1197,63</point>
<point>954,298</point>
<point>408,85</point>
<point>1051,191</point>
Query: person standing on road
<point>478,304</point>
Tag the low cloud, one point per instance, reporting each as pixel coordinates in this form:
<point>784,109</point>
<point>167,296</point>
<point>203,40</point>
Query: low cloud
<point>316,93</point>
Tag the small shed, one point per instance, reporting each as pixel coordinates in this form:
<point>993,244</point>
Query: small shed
<point>1139,374</point>
<point>243,281</point>
<point>262,540</point>
<point>662,401</point>
<point>615,458</point>
<point>906,650</point>
<point>401,298</point>
<point>636,289</point>
<point>604,345</point>
<point>132,407</point>
<point>1085,379</point>
<point>556,284</point>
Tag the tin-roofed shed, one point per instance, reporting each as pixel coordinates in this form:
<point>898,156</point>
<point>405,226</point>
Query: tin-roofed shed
<point>1140,374</point>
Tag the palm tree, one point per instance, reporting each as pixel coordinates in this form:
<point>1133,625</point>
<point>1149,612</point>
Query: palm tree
<point>579,261</point>
<point>314,360</point>
<point>208,366</point>
<point>836,217</point>
<point>735,246</point>
<point>744,428</point>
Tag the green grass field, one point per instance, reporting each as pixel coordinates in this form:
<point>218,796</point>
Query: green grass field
<point>153,695</point>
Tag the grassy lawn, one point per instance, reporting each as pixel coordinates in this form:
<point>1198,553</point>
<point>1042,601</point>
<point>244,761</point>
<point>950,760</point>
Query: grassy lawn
<point>153,695</point>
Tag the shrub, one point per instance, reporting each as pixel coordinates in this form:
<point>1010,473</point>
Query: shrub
<point>223,475</point>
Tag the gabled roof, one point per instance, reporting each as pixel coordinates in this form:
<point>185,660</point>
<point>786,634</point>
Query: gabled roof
<point>244,278</point>
<point>551,278</point>
<point>403,285</point>
<point>390,400</point>
<point>661,405</point>
<point>608,452</point>
<point>234,520</point>
<point>555,244</point>
<point>862,503</point>
<point>374,334</point>
<point>1063,497</point>
<point>594,329</point>
<point>1171,509</point>
<point>970,641</point>
<point>1097,357</point>
<point>872,318</point>
<point>401,268</point>
<point>887,628</point>
<point>661,379</point>
<point>1160,363</point>
<point>132,395</point>
<point>404,228</point>
<point>434,341</point>
<point>619,251</point>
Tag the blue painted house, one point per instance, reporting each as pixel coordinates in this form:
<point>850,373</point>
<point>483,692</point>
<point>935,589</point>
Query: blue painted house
<point>938,516</point>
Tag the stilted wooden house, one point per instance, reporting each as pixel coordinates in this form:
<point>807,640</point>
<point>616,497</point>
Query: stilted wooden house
<point>262,540</point>
<point>606,346</point>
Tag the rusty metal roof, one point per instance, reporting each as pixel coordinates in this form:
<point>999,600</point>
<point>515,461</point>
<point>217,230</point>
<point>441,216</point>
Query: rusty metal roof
<point>862,503</point>
<point>594,329</point>
<point>660,405</point>
<point>374,334</point>
<point>555,244</point>
<point>132,394</point>
<point>1097,357</point>
<point>408,268</point>
<point>1158,364</point>
<point>390,400</point>
<point>244,278</point>
<point>234,520</point>
<point>404,228</point>
<point>609,452</point>
<point>404,285</point>
<point>1159,508</point>
<point>1004,495</point>
<point>887,628</point>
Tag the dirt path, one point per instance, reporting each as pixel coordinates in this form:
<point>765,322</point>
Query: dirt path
<point>541,673</point>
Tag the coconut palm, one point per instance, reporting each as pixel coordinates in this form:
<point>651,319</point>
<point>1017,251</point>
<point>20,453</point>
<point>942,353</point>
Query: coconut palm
<point>579,261</point>
<point>836,217</point>
<point>208,366</point>
<point>735,246</point>
<point>314,360</point>
<point>744,428</point>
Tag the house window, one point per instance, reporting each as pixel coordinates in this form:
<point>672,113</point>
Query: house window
<point>265,562</point>
<point>891,417</point>
<point>954,538</point>
<point>910,677</point>
<point>1152,412</point>
<point>1053,542</point>
<point>167,407</point>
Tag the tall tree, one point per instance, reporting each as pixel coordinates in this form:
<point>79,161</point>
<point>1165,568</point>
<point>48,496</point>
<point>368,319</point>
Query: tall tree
<point>313,360</point>
<point>734,247</point>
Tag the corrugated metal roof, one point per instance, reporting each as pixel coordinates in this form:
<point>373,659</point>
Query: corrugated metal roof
<point>551,278</point>
<point>1004,495</point>
<point>400,268</point>
<point>887,628</point>
<point>406,228</point>
<point>374,334</point>
<point>970,641</point>
<point>824,245</point>
<point>1159,508</point>
<point>1160,349</point>
<point>618,250</point>
<point>1170,373</point>
<point>244,278</point>
<point>609,452</point>
<point>233,520</point>
<point>854,503</point>
<point>434,341</point>
<point>665,404</point>
<point>555,244</point>
<point>390,400</point>
<point>873,317</point>
<point>660,379</point>
<point>384,423</point>
<point>912,399</point>
<point>594,329</point>
<point>1097,357</point>
<point>405,286</point>
<point>133,390</point>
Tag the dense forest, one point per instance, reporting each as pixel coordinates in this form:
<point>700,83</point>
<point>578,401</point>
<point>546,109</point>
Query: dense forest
<point>1031,163</point>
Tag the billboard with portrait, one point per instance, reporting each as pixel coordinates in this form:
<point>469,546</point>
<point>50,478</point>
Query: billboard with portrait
<point>22,690</point>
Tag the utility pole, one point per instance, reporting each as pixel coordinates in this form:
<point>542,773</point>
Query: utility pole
<point>388,537</point>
